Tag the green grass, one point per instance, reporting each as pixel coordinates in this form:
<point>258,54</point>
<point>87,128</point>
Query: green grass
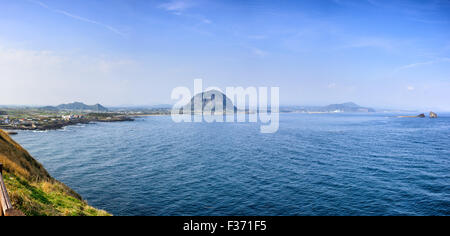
<point>46,198</point>
<point>31,188</point>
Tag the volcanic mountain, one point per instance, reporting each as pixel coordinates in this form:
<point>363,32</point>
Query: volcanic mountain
<point>206,102</point>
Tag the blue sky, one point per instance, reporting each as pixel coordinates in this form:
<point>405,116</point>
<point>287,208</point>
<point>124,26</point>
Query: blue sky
<point>390,54</point>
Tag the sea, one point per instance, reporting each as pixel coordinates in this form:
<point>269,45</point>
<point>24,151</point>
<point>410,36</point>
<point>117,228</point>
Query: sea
<point>316,164</point>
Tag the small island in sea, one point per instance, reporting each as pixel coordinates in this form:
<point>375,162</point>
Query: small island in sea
<point>209,99</point>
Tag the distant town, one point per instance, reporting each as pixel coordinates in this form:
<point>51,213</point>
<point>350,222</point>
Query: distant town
<point>52,118</point>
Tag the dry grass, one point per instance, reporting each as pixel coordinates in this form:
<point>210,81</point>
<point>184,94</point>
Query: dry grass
<point>18,160</point>
<point>12,167</point>
<point>47,199</point>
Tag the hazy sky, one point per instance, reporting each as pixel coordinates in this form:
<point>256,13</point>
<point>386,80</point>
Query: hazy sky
<point>392,54</point>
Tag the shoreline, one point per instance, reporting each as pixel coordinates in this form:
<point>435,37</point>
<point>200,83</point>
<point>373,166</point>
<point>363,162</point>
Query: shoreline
<point>62,125</point>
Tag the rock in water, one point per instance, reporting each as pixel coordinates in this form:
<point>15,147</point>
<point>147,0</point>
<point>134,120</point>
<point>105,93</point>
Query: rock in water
<point>433,115</point>
<point>418,116</point>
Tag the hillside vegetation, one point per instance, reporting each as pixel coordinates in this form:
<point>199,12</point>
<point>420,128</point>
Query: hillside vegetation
<point>31,188</point>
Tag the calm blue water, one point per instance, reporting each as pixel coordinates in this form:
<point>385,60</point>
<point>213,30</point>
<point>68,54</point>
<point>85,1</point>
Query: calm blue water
<point>315,165</point>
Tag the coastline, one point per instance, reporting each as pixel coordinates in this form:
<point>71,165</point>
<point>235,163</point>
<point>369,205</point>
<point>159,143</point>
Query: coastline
<point>61,124</point>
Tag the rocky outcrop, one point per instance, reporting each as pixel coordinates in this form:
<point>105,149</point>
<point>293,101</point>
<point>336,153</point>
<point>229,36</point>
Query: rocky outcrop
<point>418,116</point>
<point>421,116</point>
<point>433,115</point>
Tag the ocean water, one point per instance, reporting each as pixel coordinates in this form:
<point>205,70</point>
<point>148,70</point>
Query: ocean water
<point>322,164</point>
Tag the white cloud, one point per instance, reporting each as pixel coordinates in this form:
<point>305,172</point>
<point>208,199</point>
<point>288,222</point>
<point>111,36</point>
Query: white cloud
<point>373,42</point>
<point>110,66</point>
<point>257,37</point>
<point>179,7</point>
<point>410,88</point>
<point>76,17</point>
<point>176,5</point>
<point>40,3</point>
<point>46,77</point>
<point>258,52</point>
<point>413,65</point>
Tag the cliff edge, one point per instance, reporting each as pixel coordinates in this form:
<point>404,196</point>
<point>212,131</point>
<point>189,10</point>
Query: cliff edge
<point>31,188</point>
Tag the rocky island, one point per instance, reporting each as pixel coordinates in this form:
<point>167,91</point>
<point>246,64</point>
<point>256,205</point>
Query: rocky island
<point>432,115</point>
<point>418,116</point>
<point>52,118</point>
<point>208,100</point>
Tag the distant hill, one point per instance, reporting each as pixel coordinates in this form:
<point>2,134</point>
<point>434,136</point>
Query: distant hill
<point>81,106</point>
<point>77,106</point>
<point>333,108</point>
<point>208,99</point>
<point>347,107</point>
<point>49,108</point>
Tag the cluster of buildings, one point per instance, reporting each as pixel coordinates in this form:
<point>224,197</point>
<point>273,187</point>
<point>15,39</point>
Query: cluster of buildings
<point>6,121</point>
<point>72,117</point>
<point>35,122</point>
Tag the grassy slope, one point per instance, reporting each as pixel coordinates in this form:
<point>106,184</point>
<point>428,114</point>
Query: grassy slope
<point>32,190</point>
